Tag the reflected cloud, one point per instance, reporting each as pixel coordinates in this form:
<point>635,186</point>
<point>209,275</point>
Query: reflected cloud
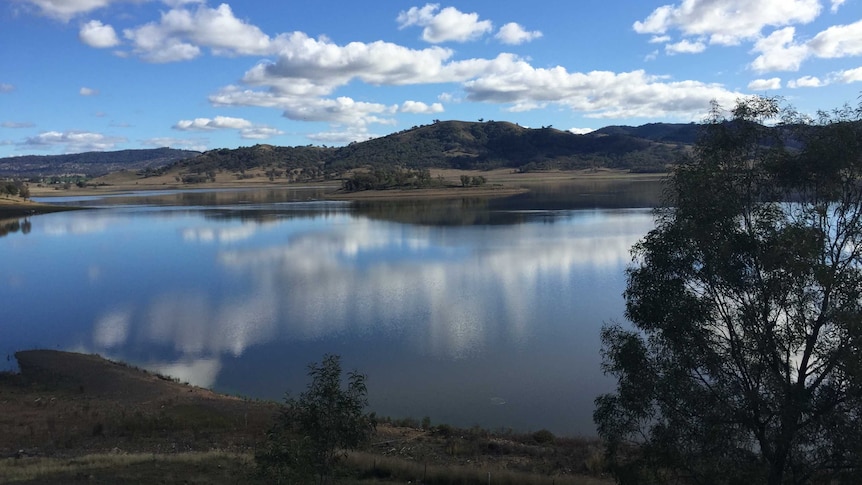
<point>197,372</point>
<point>219,234</point>
<point>324,283</point>
<point>80,224</point>
<point>447,293</point>
<point>112,329</point>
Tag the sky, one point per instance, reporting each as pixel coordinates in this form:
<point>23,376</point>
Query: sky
<point>97,75</point>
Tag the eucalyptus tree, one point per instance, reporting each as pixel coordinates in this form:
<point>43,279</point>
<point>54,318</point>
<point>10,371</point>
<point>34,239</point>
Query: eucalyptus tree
<point>742,362</point>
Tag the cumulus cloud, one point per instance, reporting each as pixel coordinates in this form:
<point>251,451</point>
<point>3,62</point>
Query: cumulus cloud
<point>85,91</point>
<point>64,10</point>
<point>180,34</point>
<point>513,34</point>
<point>73,141</point>
<point>581,131</point>
<point>727,22</point>
<point>217,123</point>
<point>836,4</point>
<point>197,144</point>
<point>247,130</point>
<point>307,66</point>
<point>419,107</point>
<point>600,94</point>
<point>96,34</point>
<point>448,24</point>
<point>848,76</point>
<point>765,84</point>
<point>806,82</point>
<point>838,41</point>
<point>779,52</point>
<point>685,47</point>
<point>341,137</point>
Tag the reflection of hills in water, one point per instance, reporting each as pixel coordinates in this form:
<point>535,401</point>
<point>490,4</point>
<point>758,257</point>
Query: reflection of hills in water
<point>542,201</point>
<point>204,198</point>
<point>9,226</point>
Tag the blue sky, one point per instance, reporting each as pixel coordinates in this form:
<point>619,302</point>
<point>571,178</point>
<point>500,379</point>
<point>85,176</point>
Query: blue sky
<point>82,75</point>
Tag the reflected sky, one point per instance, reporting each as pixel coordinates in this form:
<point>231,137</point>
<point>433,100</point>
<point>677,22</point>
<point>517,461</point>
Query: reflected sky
<point>490,324</point>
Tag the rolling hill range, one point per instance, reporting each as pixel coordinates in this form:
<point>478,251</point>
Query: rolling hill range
<point>443,144</point>
<point>90,164</point>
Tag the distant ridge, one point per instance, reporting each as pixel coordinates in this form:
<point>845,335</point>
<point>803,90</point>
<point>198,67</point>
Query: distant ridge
<point>443,144</point>
<point>90,164</point>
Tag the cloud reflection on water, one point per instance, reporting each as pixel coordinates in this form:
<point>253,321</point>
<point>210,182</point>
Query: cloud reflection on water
<point>447,293</point>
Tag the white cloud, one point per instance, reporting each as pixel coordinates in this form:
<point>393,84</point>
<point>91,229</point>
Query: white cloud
<point>836,4</point>
<point>217,123</point>
<point>247,130</point>
<point>659,39</point>
<point>685,47</point>
<point>448,24</point>
<point>64,10</point>
<point>85,91</point>
<point>600,94</point>
<point>73,141</point>
<point>848,76</point>
<point>96,34</point>
<point>419,107</point>
<point>259,133</point>
<point>727,22</point>
<point>197,144</point>
<point>806,82</point>
<point>779,52</point>
<point>513,34</point>
<point>307,66</point>
<point>765,84</point>
<point>838,41</point>
<point>581,131</point>
<point>341,137</point>
<point>180,34</point>
<point>6,88</point>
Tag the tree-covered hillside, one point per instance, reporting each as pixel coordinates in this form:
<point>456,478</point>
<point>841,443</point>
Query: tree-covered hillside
<point>443,144</point>
<point>447,144</point>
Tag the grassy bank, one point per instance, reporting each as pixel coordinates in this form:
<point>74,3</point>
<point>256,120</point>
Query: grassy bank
<point>69,417</point>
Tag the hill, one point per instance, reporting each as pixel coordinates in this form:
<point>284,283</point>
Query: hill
<point>462,145</point>
<point>90,164</point>
<point>455,145</point>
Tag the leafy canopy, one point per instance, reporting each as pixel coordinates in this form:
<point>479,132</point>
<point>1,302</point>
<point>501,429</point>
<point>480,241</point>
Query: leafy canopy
<point>313,430</point>
<point>744,363</point>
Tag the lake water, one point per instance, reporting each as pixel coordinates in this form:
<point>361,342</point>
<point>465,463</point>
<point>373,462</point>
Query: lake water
<point>471,312</point>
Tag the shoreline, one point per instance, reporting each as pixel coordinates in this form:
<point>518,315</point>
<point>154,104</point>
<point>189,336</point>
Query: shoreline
<point>500,183</point>
<point>69,406</point>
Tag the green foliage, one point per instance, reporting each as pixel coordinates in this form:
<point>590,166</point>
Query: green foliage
<point>383,179</point>
<point>14,188</point>
<point>544,437</point>
<point>744,363</point>
<point>313,430</point>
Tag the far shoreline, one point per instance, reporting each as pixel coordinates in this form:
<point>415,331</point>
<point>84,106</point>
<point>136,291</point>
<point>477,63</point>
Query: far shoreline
<point>499,183</point>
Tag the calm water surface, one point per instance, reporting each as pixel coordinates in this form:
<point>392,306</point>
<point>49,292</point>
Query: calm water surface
<point>470,311</point>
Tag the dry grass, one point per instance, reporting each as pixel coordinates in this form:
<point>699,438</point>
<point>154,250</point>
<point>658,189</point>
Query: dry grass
<point>120,467</point>
<point>373,466</point>
<point>68,416</point>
